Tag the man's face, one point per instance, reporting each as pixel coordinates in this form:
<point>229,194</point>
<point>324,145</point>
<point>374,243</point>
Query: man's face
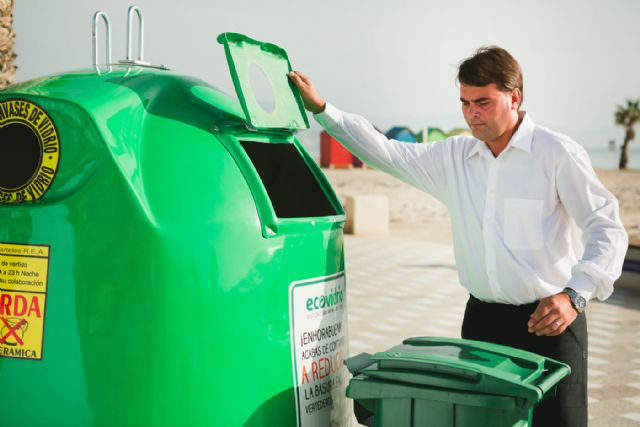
<point>488,111</point>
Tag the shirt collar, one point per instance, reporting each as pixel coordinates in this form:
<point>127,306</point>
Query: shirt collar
<point>524,135</point>
<point>479,147</point>
<point>522,139</point>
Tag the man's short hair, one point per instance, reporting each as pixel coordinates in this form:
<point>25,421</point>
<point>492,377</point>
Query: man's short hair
<point>492,64</point>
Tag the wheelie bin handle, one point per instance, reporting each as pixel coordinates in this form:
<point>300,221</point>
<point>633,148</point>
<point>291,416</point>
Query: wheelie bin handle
<point>357,363</point>
<point>559,371</point>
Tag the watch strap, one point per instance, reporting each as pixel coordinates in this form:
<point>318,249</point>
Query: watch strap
<point>577,301</point>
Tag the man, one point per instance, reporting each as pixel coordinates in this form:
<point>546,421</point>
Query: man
<point>520,198</point>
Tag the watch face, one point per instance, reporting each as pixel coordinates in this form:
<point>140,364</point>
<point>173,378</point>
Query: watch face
<point>581,302</point>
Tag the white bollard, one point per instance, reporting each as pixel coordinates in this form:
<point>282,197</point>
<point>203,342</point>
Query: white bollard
<point>367,214</point>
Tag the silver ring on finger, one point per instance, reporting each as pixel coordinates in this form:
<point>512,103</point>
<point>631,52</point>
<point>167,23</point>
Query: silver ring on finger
<point>556,325</point>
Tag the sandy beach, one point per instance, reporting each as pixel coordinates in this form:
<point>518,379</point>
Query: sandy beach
<point>413,211</point>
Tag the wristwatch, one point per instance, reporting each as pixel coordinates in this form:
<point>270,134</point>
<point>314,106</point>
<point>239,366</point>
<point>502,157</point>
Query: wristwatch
<point>577,301</point>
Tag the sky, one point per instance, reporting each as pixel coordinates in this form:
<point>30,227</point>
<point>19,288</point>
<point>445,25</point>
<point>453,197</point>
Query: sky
<point>393,62</point>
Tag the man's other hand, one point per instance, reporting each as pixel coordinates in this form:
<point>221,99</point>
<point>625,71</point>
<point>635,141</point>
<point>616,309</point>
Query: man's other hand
<point>552,316</point>
<point>310,96</point>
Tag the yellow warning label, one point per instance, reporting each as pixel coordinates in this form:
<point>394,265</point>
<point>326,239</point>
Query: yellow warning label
<point>24,271</point>
<point>29,151</point>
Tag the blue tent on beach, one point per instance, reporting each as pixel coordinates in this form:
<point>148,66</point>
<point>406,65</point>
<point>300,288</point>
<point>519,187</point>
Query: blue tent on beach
<point>401,133</point>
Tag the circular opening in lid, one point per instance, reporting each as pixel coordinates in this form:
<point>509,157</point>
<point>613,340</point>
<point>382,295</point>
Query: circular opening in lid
<point>261,88</point>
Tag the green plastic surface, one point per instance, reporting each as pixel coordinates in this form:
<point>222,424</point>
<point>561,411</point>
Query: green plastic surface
<point>452,382</point>
<point>469,365</point>
<point>256,65</point>
<point>400,405</point>
<point>166,304</point>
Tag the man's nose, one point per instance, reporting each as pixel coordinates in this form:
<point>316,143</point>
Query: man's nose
<point>474,111</point>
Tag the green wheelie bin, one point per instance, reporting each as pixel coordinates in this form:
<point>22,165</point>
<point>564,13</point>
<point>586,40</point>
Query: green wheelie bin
<point>448,382</point>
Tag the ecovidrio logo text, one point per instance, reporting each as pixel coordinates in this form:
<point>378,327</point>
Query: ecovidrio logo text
<point>336,296</point>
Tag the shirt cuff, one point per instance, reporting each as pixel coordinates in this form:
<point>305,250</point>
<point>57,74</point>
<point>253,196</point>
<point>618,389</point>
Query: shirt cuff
<point>329,115</point>
<point>582,284</point>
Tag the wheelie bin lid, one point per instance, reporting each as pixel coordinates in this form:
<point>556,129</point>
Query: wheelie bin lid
<point>459,364</point>
<point>259,73</point>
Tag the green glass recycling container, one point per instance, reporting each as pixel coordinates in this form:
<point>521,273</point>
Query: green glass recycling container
<point>164,260</point>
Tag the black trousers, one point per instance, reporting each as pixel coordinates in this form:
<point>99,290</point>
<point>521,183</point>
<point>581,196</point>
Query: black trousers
<point>507,325</point>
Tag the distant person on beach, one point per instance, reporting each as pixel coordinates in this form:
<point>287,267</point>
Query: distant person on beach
<point>536,235</point>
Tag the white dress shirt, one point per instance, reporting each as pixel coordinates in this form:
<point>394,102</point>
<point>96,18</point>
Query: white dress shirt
<point>526,224</point>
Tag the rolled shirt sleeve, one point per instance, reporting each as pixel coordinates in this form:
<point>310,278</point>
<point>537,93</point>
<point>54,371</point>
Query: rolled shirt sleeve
<point>596,212</point>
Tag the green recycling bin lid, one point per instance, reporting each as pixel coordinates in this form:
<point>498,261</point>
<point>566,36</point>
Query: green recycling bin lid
<point>259,73</point>
<point>469,365</point>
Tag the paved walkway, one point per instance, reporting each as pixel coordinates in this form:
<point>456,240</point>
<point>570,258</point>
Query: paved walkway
<point>401,286</point>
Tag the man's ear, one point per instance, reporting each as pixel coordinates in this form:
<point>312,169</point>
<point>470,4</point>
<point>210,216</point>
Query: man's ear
<point>516,98</point>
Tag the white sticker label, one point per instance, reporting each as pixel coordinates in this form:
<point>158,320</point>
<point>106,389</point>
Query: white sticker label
<point>319,345</point>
